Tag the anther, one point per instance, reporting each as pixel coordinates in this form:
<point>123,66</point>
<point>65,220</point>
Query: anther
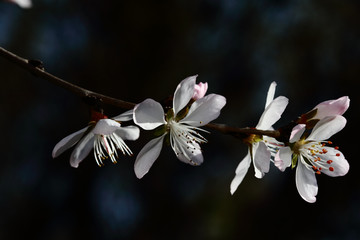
<point>331,169</point>
<point>329,161</point>
<point>324,150</point>
<point>318,172</point>
<point>337,148</point>
<point>338,154</point>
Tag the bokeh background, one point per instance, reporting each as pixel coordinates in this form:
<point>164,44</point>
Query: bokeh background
<point>133,50</point>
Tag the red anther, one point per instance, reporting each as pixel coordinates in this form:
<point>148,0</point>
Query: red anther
<point>318,172</point>
<point>338,154</point>
<point>329,161</point>
<point>317,159</point>
<point>314,167</point>
<point>324,150</point>
<point>320,168</point>
<point>336,147</point>
<point>331,169</point>
<point>323,144</point>
<point>329,142</point>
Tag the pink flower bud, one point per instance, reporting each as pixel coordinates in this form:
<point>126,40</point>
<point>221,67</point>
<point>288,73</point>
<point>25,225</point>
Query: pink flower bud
<point>332,107</point>
<point>200,90</point>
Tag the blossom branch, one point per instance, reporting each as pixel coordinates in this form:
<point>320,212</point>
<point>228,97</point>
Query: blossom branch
<point>36,68</point>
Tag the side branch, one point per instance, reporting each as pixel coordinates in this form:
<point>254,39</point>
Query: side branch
<point>35,67</point>
<point>235,131</point>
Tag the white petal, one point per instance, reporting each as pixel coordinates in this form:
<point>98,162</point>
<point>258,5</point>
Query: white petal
<point>147,156</point>
<point>262,160</point>
<point>283,158</point>
<point>272,113</point>
<point>82,149</point>
<point>339,164</point>
<point>106,127</point>
<point>183,93</point>
<point>190,153</point>
<point>327,127</point>
<point>149,114</point>
<point>67,142</point>
<point>241,171</point>
<point>204,110</point>
<point>297,132</point>
<point>126,116</point>
<point>128,133</point>
<point>332,107</point>
<point>306,182</point>
<point>23,3</point>
<point>270,94</point>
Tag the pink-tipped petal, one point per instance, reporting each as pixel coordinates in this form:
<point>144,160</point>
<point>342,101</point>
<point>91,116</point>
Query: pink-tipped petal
<point>297,132</point>
<point>332,107</point>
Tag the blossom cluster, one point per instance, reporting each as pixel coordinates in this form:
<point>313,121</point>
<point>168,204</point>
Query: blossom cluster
<point>307,148</point>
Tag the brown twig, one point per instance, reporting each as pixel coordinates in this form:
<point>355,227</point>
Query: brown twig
<point>35,67</point>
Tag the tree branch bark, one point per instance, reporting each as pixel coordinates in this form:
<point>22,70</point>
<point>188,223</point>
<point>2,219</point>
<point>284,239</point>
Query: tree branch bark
<point>35,67</point>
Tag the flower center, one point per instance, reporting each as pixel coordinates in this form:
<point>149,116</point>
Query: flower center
<point>317,156</point>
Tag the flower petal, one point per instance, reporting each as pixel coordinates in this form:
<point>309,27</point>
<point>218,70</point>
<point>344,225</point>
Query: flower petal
<point>67,142</point>
<point>327,127</point>
<point>189,153</point>
<point>149,114</point>
<point>270,94</point>
<point>332,107</point>
<point>297,132</point>
<point>272,113</point>
<point>82,149</point>
<point>204,110</point>
<point>147,156</point>
<point>106,127</point>
<point>126,116</point>
<point>128,133</point>
<point>306,182</point>
<point>22,3</point>
<point>261,160</point>
<point>283,158</point>
<point>183,93</point>
<point>336,161</point>
<point>241,171</point>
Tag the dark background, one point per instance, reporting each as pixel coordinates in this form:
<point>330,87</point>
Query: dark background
<point>133,50</point>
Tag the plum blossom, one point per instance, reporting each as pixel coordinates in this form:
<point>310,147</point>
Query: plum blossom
<point>180,125</point>
<point>261,148</point>
<point>312,156</point>
<point>105,135</point>
<point>22,3</point>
